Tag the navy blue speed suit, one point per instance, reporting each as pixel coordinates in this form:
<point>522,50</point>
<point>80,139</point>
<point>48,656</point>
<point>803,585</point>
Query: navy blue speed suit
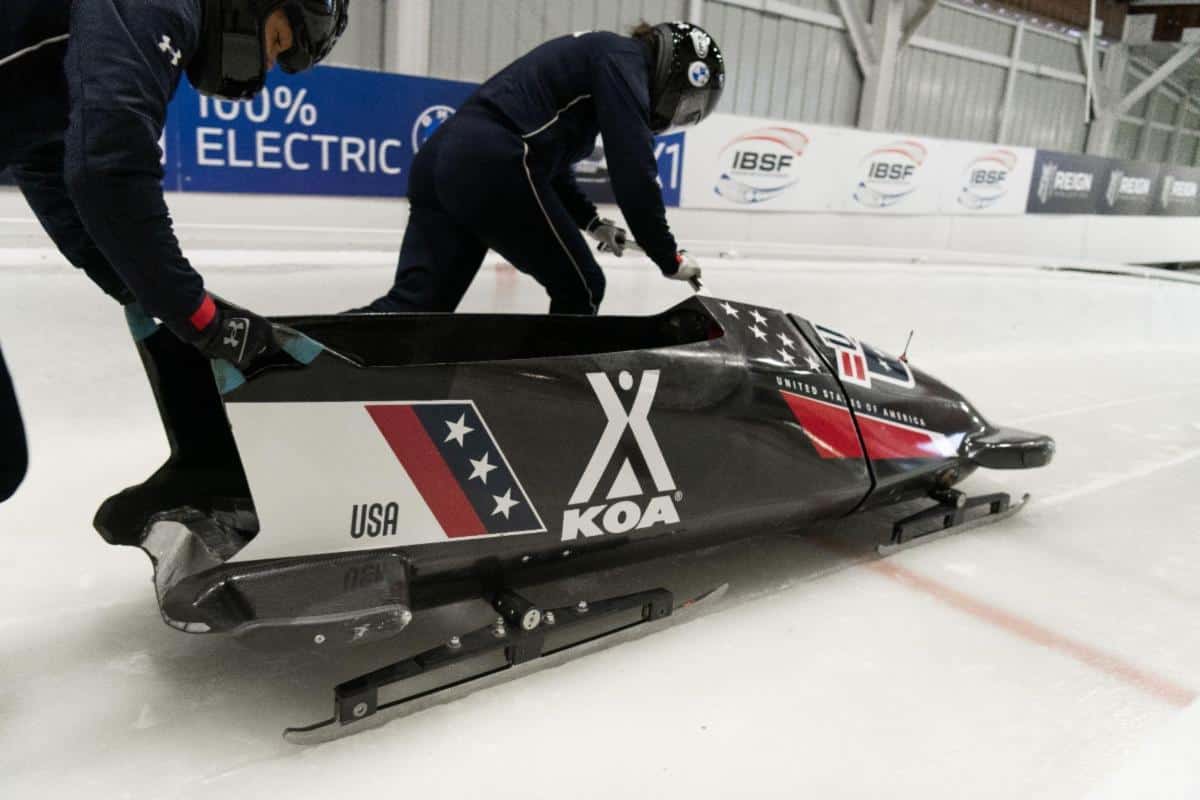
<point>499,175</point>
<point>84,88</point>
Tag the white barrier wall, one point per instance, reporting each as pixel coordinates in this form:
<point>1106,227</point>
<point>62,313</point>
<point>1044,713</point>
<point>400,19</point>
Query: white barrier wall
<point>289,222</point>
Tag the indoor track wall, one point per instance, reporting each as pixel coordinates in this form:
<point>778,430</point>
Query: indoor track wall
<point>333,223</point>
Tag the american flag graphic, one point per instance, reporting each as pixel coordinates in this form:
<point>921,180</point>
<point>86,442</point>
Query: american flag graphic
<point>861,364</point>
<point>457,467</point>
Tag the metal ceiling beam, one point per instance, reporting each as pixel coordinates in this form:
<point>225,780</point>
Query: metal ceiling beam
<point>913,26</point>
<point>1103,128</point>
<point>1010,85</point>
<point>860,37</point>
<point>1184,55</point>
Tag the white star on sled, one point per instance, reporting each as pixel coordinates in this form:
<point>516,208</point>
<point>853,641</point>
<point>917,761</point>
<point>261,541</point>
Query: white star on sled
<point>504,503</point>
<point>481,468</point>
<point>459,431</point>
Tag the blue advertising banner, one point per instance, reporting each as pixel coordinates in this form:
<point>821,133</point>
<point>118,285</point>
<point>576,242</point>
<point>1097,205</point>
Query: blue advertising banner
<point>332,131</point>
<point>592,173</point>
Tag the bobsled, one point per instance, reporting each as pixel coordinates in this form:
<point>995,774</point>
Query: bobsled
<point>399,463</point>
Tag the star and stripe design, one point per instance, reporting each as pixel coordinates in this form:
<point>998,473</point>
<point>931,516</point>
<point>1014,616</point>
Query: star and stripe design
<point>770,337</point>
<point>770,331</point>
<point>457,467</point>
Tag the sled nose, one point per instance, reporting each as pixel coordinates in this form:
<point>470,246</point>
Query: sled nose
<point>1008,448</point>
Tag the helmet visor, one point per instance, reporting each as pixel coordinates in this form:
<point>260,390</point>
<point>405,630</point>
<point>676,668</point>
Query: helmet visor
<point>241,70</point>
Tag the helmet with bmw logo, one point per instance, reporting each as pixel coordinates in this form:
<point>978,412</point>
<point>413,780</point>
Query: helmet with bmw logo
<point>688,76</point>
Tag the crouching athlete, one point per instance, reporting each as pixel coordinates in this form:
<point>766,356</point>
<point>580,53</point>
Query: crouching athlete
<point>85,86</point>
<point>499,173</point>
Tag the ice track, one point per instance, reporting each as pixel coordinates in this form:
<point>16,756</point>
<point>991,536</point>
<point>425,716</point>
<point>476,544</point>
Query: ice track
<point>1056,655</point>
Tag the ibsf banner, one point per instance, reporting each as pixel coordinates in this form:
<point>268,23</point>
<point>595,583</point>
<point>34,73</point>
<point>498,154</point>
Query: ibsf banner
<point>333,131</point>
<point>738,163</point>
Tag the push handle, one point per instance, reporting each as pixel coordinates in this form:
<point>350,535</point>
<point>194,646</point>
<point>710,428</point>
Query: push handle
<point>696,284</point>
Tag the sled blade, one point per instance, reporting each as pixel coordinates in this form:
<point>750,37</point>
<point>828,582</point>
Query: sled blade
<point>993,516</point>
<point>375,715</point>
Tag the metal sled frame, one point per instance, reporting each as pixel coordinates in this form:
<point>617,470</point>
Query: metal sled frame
<point>520,633</point>
<point>952,515</point>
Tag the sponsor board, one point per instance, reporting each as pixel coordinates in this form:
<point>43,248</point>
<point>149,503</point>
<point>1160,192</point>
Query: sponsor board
<point>891,174</point>
<point>592,173</point>
<point>760,165</point>
<point>1178,192</point>
<point>320,132</point>
<point>888,174</point>
<point>324,132</point>
<point>753,164</point>
<point>1067,183</point>
<point>990,180</point>
<point>1130,188</point>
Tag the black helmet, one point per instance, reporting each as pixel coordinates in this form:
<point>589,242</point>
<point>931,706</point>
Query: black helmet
<point>688,78</point>
<point>231,61</point>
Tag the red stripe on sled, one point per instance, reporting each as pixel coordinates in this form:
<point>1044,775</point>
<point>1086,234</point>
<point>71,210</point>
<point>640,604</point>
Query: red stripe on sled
<point>886,440</point>
<point>829,427</point>
<point>425,465</point>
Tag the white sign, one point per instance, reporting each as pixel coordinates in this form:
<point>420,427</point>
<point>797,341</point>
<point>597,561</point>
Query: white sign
<point>754,164</point>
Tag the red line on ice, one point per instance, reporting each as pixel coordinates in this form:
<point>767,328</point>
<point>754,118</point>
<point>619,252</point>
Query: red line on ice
<point>1115,667</point>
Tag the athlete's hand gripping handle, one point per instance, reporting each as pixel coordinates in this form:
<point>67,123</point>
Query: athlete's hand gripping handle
<point>688,267</point>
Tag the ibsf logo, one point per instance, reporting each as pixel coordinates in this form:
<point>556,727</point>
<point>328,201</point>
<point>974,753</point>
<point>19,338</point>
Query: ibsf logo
<point>760,165</point>
<point>626,506</point>
<point>890,174</point>
<point>428,123</point>
<point>985,182</point>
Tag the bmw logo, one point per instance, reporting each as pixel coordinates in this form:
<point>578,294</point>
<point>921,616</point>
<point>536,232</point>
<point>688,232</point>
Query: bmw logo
<point>698,74</point>
<point>427,124</point>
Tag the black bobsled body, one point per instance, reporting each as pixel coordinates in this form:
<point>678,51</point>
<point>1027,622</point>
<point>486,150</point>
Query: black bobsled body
<point>420,459</point>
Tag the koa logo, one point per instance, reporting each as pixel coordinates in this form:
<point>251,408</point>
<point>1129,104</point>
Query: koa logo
<point>889,174</point>
<point>760,165</point>
<point>627,506</point>
<point>985,181</point>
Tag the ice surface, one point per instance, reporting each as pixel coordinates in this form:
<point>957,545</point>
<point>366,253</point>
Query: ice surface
<point>1051,656</point>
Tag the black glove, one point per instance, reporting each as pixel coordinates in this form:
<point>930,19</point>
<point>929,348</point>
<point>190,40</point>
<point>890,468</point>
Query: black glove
<point>240,337</point>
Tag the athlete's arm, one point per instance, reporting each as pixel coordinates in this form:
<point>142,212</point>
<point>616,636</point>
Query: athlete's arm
<point>123,63</point>
<point>40,178</point>
<point>623,107</point>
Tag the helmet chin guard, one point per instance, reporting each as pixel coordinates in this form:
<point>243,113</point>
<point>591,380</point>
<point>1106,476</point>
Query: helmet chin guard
<point>688,79</point>
<point>231,61</point>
